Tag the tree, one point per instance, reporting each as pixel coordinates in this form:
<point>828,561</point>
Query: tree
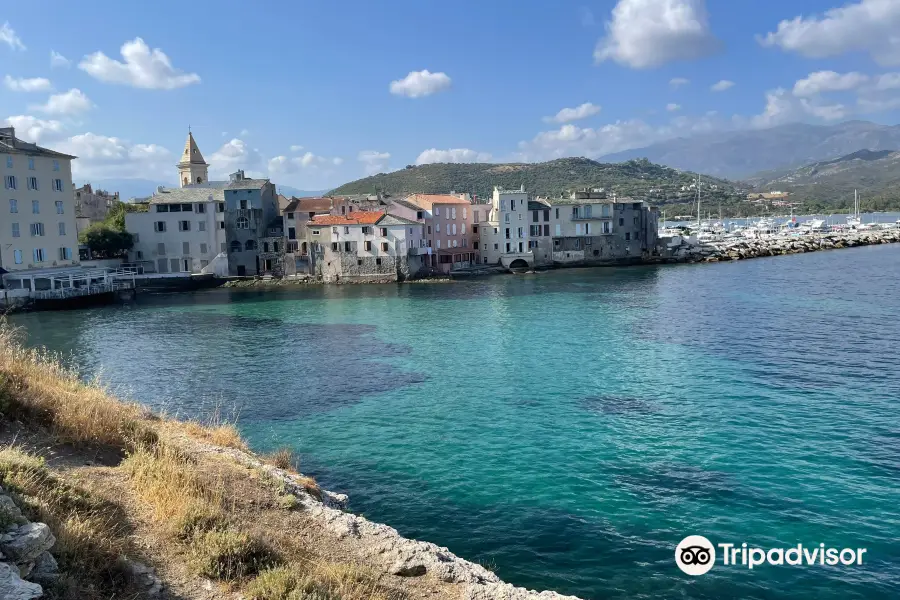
<point>106,241</point>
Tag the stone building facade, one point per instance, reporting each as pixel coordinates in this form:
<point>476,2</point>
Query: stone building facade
<point>251,214</point>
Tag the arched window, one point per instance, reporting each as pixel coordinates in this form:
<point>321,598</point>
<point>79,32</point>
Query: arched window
<point>186,181</point>
<point>250,245</point>
<point>274,246</point>
<point>265,246</point>
<point>199,180</point>
<point>235,246</point>
<point>243,223</point>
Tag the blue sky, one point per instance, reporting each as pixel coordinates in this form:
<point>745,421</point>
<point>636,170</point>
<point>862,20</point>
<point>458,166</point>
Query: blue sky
<point>258,81</point>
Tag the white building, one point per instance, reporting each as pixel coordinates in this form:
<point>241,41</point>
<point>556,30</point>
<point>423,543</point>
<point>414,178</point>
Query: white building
<point>182,231</point>
<point>37,230</point>
<point>504,236</point>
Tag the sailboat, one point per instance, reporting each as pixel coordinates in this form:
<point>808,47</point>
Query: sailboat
<point>854,219</point>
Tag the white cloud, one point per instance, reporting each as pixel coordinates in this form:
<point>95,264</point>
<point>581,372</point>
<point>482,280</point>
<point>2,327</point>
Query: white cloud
<point>568,115</point>
<point>73,102</point>
<point>35,84</point>
<point>420,83</point>
<point>33,129</point>
<point>866,26</point>
<point>103,156</point>
<point>677,82</point>
<point>780,109</point>
<point>374,161</point>
<point>244,132</point>
<point>337,161</point>
<point>235,155</point>
<point>888,81</point>
<point>296,148</point>
<point>672,107</point>
<point>9,37</point>
<point>827,112</point>
<point>650,33</point>
<point>58,60</point>
<point>143,68</point>
<point>722,86</point>
<point>828,81</point>
<point>454,155</point>
<point>287,164</point>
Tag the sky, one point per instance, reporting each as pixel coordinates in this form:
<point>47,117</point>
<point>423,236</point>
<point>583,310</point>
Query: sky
<point>313,94</point>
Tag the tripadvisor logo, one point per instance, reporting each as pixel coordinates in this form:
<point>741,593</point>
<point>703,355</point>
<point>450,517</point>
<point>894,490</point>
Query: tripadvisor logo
<point>696,555</point>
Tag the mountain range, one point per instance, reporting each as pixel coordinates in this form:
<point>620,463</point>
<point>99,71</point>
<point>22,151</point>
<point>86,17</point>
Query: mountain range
<point>741,154</point>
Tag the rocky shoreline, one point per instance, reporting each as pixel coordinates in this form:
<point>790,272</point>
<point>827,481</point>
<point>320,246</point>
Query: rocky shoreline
<point>385,546</point>
<point>742,249</point>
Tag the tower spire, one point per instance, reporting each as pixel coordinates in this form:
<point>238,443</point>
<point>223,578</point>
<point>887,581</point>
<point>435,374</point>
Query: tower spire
<point>192,169</point>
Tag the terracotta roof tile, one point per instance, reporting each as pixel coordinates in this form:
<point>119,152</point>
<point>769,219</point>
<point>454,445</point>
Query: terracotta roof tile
<point>355,218</point>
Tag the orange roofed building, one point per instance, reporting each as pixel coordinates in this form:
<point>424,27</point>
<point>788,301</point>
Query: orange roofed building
<point>447,220</point>
<point>365,246</point>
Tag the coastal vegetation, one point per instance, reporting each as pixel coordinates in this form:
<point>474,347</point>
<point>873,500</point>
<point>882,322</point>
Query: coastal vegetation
<point>120,486</point>
<point>109,238</point>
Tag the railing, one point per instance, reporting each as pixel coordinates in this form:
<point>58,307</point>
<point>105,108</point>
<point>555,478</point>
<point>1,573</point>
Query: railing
<point>75,292</point>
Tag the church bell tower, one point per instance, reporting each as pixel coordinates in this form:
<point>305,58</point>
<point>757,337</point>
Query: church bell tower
<point>192,169</point>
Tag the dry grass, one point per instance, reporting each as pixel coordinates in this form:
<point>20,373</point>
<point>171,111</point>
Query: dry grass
<point>91,534</point>
<point>218,434</point>
<point>283,458</point>
<point>319,581</point>
<point>37,389</point>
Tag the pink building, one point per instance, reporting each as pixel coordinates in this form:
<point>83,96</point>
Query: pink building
<point>448,220</point>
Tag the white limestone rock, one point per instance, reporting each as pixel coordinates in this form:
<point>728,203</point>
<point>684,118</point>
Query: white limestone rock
<point>25,543</point>
<point>13,587</point>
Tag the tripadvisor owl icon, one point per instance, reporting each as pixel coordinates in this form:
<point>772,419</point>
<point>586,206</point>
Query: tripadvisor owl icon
<point>695,555</point>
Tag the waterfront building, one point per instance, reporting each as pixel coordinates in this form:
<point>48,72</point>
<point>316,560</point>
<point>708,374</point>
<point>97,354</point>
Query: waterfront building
<point>365,246</point>
<point>587,227</point>
<point>182,230</point>
<point>253,227</point>
<point>448,221</point>
<point>37,228</point>
<point>504,235</point>
<point>296,214</point>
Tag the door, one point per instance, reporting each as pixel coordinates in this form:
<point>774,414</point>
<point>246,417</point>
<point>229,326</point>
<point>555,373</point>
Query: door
<point>242,270</point>
<point>162,265</point>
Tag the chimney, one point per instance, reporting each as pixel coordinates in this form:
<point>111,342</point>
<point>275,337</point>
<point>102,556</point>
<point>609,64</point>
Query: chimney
<point>8,135</point>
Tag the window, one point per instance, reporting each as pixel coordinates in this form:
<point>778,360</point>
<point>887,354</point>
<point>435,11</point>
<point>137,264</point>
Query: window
<point>476,216</point>
<point>346,246</point>
<point>162,208</point>
<point>36,207</point>
<point>475,245</point>
<point>292,233</point>
<point>65,254</point>
<point>315,232</point>
<point>243,205</point>
<point>587,229</point>
<point>496,246</point>
<point>455,243</point>
<point>13,206</point>
<point>220,207</point>
<point>453,212</point>
<point>9,162</point>
<point>534,230</point>
<point>546,214</point>
<point>521,232</point>
<point>59,207</point>
<point>334,246</point>
<point>159,226</point>
<point>419,215</point>
<point>368,246</point>
<point>607,227</point>
<point>62,228</point>
<point>627,235</point>
<point>40,255</point>
<point>161,249</point>
<point>465,212</point>
<point>437,211</point>
<point>187,208</point>
<point>201,225</point>
<point>474,229</point>
<point>334,230</point>
<point>384,232</point>
<point>243,223</point>
<point>10,182</point>
<point>201,208</point>
<point>15,230</point>
<point>507,247</point>
<point>17,253</point>
<point>506,217</point>
<point>512,205</point>
<point>56,165</point>
<point>184,225</point>
<point>222,226</point>
<point>463,227</point>
<point>429,230</point>
<point>235,246</point>
<point>621,222</point>
<point>31,164</point>
<point>507,233</point>
<point>534,216</point>
<point>558,229</point>
<point>546,230</point>
<point>604,210</point>
<point>174,208</point>
<point>437,227</point>
<point>250,245</point>
<point>57,185</point>
<point>203,248</point>
<point>377,261</point>
<point>635,221</point>
<point>439,244</point>
<point>32,183</point>
<point>37,229</point>
<point>367,230</point>
<point>557,213</point>
<point>139,255</point>
<point>185,248</point>
<point>384,246</point>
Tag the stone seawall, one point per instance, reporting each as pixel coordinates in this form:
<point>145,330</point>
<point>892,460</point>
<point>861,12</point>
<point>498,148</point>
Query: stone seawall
<point>740,249</point>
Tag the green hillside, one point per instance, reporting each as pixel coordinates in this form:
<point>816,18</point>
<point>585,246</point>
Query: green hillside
<point>636,178</point>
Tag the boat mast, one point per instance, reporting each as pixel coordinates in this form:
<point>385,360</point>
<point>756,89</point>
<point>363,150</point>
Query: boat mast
<point>698,201</point>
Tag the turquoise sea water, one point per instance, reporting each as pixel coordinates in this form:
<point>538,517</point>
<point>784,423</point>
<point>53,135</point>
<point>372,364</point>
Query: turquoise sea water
<point>566,428</point>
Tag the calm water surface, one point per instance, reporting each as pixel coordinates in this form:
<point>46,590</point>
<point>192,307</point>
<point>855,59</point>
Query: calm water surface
<point>569,428</point>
